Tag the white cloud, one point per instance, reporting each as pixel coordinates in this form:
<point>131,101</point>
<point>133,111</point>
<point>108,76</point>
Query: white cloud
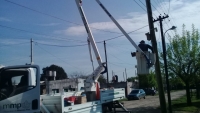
<point>128,24</point>
<point>5,19</point>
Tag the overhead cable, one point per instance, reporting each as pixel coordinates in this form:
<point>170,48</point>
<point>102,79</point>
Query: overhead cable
<point>56,17</point>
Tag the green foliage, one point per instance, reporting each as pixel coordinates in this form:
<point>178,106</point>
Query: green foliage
<point>132,79</point>
<point>147,81</point>
<point>60,73</point>
<point>175,82</point>
<point>102,79</point>
<point>183,57</point>
<point>183,54</point>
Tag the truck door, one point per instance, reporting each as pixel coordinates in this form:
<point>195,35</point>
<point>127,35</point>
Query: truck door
<point>20,89</point>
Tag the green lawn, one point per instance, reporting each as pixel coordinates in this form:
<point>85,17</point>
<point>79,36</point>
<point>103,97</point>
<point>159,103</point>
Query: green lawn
<point>125,99</point>
<point>181,104</point>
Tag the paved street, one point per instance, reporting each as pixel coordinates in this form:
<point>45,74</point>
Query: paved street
<point>150,104</point>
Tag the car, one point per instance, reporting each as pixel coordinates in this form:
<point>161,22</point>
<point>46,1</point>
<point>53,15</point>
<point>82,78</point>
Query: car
<point>136,94</point>
<point>150,92</point>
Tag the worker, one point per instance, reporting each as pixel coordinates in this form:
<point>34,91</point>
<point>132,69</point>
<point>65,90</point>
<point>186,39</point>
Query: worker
<point>144,47</point>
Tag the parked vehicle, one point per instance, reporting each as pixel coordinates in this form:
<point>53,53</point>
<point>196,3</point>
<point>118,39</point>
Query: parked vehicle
<point>137,94</point>
<point>150,92</point>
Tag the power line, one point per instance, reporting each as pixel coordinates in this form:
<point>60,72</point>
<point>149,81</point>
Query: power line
<point>122,63</point>
<point>153,13</point>
<point>54,38</point>
<point>68,38</point>
<point>155,8</point>
<point>57,17</point>
<point>124,50</point>
<point>96,42</point>
<point>140,6</point>
<point>59,45</point>
<point>163,7</point>
<point>14,44</point>
<point>169,8</point>
<point>142,3</point>
<point>158,4</point>
<point>116,57</point>
<point>123,35</point>
<point>160,12</point>
<point>57,57</point>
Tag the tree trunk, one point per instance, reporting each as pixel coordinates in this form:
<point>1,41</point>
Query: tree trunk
<point>198,90</point>
<point>188,93</point>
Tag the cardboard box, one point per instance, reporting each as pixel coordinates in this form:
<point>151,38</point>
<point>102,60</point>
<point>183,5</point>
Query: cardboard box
<point>80,100</point>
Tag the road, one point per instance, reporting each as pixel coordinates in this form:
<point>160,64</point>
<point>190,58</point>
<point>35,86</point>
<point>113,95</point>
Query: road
<point>150,104</point>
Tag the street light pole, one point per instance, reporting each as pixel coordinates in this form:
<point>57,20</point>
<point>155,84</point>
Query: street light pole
<point>165,64</point>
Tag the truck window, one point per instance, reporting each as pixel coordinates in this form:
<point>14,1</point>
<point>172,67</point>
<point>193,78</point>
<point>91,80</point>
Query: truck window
<point>14,82</point>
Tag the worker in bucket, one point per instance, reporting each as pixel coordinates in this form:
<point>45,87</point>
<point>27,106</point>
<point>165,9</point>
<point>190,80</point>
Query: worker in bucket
<point>144,47</point>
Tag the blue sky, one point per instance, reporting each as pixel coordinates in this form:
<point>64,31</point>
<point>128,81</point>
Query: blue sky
<point>56,25</point>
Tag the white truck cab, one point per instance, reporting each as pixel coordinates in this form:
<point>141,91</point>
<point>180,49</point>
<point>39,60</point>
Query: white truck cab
<point>20,89</point>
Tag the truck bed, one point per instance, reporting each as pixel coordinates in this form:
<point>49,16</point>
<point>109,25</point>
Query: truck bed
<point>55,103</point>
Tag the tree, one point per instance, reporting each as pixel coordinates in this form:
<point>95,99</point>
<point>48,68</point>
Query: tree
<point>132,79</point>
<point>60,73</point>
<point>175,82</point>
<point>183,57</point>
<point>147,81</point>
<point>102,79</point>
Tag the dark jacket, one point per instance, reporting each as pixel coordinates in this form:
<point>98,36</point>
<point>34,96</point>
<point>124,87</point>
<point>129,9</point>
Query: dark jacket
<point>145,47</point>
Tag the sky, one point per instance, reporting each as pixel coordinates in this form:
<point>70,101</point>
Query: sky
<point>59,36</point>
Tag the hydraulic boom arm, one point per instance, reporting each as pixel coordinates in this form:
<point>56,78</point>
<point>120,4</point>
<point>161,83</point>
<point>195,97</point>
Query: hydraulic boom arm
<point>90,83</point>
<point>123,31</point>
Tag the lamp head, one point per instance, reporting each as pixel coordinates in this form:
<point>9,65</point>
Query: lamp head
<point>172,28</point>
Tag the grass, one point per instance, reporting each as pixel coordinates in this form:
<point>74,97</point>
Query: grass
<point>124,99</point>
<point>181,104</point>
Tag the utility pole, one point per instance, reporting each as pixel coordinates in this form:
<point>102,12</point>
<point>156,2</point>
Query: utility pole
<point>126,74</point>
<point>106,62</point>
<point>160,19</point>
<point>31,51</point>
<point>123,76</point>
<point>157,64</point>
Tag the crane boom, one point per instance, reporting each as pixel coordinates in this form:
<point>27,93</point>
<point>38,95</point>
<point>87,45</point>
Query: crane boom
<point>124,32</point>
<point>90,82</point>
<point>87,28</point>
